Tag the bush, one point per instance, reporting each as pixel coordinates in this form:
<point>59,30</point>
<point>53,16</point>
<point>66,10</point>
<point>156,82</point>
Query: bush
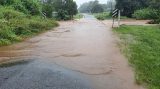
<point>32,7</point>
<point>4,42</point>
<point>20,7</point>
<point>7,2</point>
<point>15,26</point>
<point>103,16</point>
<point>147,13</point>
<point>7,33</point>
<point>143,14</point>
<point>9,13</point>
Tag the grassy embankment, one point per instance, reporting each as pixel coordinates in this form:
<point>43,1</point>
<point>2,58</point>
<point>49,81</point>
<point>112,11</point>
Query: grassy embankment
<point>15,26</point>
<point>106,15</point>
<point>141,44</point>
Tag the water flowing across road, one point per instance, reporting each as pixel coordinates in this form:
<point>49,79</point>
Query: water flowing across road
<point>76,55</point>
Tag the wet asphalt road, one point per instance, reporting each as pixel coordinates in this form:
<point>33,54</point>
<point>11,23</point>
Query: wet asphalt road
<point>40,75</point>
<point>80,54</point>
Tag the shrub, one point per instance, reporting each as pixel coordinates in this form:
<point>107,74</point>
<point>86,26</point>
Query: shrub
<point>15,25</point>
<point>7,2</point>
<point>102,16</point>
<point>20,7</point>
<point>6,33</point>
<point>9,13</point>
<point>32,7</point>
<point>18,20</point>
<point>147,13</point>
<point>4,42</point>
<point>143,14</point>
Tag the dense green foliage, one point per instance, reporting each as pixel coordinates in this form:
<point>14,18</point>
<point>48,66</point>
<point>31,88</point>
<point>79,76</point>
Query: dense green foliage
<point>141,44</point>
<point>48,8</point>
<point>32,7</point>
<point>147,13</point>
<point>22,18</point>
<point>137,8</point>
<point>65,9</point>
<point>92,7</point>
<point>18,23</point>
<point>128,7</point>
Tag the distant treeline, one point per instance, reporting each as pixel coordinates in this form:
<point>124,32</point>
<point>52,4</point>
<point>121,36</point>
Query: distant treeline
<point>96,7</point>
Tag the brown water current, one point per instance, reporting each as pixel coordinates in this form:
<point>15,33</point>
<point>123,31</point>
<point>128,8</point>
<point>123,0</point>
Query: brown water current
<point>86,46</point>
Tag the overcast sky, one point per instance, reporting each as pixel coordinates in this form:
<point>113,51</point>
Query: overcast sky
<point>79,2</point>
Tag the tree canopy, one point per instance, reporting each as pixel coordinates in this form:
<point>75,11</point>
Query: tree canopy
<point>64,8</point>
<point>128,7</point>
<point>91,7</point>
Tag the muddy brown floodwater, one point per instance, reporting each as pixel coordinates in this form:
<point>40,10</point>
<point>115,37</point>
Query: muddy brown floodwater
<point>86,46</point>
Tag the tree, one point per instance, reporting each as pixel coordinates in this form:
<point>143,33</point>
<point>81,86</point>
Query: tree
<point>97,9</point>
<point>7,2</point>
<point>71,8</point>
<point>84,8</point>
<point>33,6</point>
<point>48,7</point>
<point>155,4</point>
<point>65,9</point>
<point>128,7</point>
<point>91,7</point>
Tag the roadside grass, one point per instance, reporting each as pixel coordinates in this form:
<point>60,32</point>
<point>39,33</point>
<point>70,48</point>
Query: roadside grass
<point>141,44</point>
<point>16,26</point>
<point>106,15</point>
<point>103,16</point>
<point>78,16</point>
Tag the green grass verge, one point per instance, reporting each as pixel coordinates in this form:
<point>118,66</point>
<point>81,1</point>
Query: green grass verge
<point>106,15</point>
<point>141,44</point>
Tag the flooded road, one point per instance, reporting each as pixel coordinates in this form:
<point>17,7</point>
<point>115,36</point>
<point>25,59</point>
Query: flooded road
<point>85,47</point>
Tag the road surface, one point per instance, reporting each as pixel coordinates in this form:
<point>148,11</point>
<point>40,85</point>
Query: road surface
<point>79,54</point>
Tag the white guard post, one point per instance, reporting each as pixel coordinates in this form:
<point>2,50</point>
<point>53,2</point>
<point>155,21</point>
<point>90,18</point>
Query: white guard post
<point>116,14</point>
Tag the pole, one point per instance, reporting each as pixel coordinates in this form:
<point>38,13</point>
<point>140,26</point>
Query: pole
<point>113,23</point>
<point>119,17</point>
